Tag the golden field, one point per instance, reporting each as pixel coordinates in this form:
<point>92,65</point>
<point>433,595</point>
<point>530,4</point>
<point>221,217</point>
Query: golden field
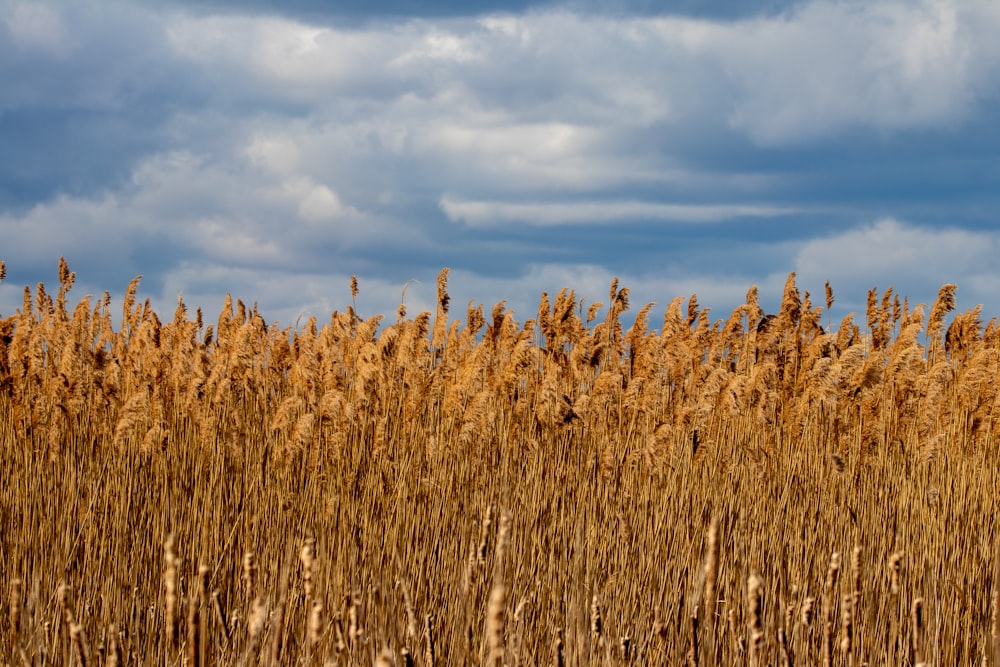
<point>754,490</point>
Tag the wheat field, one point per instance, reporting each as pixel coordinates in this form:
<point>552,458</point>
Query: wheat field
<point>763,489</point>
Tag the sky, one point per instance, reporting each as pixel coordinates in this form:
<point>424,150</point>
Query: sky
<point>272,150</point>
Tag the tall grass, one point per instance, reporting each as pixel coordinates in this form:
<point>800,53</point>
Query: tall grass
<point>480,490</point>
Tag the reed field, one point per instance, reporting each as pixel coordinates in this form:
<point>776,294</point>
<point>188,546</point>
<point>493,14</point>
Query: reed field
<point>478,489</point>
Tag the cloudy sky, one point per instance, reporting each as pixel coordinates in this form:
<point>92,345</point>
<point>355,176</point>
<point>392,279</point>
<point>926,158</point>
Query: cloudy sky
<point>232,146</point>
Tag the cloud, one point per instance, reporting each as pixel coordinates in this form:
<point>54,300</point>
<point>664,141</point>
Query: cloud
<point>367,11</point>
<point>824,68</point>
<point>916,260</point>
<point>827,67</point>
<point>84,57</point>
<point>33,26</point>
<point>487,213</point>
<point>196,211</point>
<point>321,204</point>
<point>518,95</point>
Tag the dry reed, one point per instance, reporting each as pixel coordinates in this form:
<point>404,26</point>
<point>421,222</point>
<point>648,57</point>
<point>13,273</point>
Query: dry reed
<point>618,451</point>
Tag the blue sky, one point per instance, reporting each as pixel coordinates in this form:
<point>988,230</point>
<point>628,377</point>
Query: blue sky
<point>228,146</point>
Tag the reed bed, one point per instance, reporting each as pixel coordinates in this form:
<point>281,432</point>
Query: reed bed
<point>754,490</point>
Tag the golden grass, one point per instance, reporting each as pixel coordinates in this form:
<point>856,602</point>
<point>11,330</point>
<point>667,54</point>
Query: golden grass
<point>561,491</point>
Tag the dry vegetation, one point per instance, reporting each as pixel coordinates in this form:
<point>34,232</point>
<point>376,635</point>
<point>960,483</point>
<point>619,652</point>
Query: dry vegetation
<point>436,491</point>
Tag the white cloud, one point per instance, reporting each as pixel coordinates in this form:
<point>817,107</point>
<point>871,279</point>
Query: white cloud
<point>278,152</point>
<point>438,45</point>
<point>562,100</point>
<point>487,213</point>
<point>234,213</point>
<point>892,248</point>
<point>224,241</point>
<point>90,226</point>
<point>287,60</point>
<point>507,25</point>
<point>321,204</point>
<point>915,260</point>
<point>526,143</point>
<point>830,67</point>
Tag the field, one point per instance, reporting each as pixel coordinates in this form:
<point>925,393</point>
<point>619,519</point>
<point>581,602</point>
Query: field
<point>754,490</point>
